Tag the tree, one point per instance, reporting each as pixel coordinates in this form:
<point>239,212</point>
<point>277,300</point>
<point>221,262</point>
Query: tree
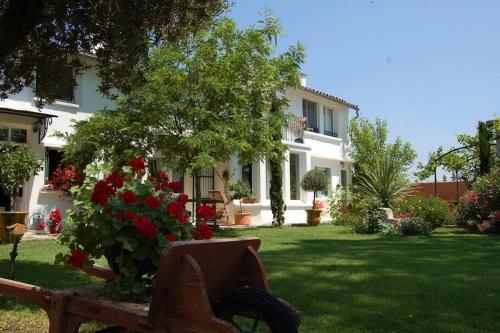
<point>17,165</point>
<point>369,143</point>
<point>469,160</point>
<point>205,99</point>
<point>313,181</point>
<point>276,161</point>
<point>48,34</point>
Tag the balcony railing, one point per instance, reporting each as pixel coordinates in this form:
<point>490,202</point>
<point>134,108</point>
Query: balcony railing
<point>294,132</point>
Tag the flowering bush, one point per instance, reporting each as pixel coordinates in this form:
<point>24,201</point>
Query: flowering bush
<point>54,224</point>
<point>129,220</point>
<point>64,178</point>
<point>479,208</point>
<point>432,209</point>
<point>415,226</point>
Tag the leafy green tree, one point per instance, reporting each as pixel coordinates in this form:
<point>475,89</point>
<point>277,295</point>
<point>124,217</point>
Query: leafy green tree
<point>205,99</point>
<point>38,34</point>
<point>313,181</point>
<point>17,165</point>
<point>369,142</point>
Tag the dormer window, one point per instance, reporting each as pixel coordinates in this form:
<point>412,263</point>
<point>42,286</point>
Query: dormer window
<point>310,111</point>
<point>63,88</point>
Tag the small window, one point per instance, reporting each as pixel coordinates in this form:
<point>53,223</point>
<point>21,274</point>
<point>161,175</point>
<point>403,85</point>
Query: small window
<point>19,135</point>
<point>343,178</point>
<point>4,134</point>
<point>153,167</point>
<point>329,129</point>
<point>310,111</point>
<point>294,177</point>
<point>63,89</point>
<point>246,175</point>
<point>327,171</point>
<point>53,160</point>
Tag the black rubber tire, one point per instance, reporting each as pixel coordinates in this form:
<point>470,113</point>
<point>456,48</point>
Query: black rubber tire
<point>276,314</point>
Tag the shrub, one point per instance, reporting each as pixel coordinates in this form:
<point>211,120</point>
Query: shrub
<point>313,181</point>
<point>432,209</point>
<point>479,208</point>
<point>361,214</point>
<point>415,226</point>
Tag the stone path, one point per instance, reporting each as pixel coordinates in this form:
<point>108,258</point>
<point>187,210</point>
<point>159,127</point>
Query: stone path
<point>32,235</point>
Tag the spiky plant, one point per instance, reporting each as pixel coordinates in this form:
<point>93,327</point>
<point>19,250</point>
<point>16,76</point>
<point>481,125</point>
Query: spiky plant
<point>385,180</point>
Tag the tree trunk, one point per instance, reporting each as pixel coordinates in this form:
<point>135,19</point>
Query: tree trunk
<point>314,199</point>
<point>276,192</point>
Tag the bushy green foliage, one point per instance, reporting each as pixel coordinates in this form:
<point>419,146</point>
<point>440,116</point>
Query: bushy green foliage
<point>432,209</point>
<point>17,165</point>
<point>315,180</point>
<point>239,190</point>
<point>479,208</point>
<point>415,226</point>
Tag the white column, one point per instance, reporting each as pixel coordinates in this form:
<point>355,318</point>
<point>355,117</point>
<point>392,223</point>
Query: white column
<point>262,184</point>
<point>286,177</point>
<point>305,165</point>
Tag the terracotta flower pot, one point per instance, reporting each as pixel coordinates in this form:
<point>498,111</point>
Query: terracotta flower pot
<point>243,218</point>
<point>313,216</point>
<point>249,200</point>
<point>8,219</point>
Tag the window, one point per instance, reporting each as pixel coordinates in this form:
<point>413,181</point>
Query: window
<point>294,177</point>
<point>53,160</point>
<point>343,178</point>
<point>309,110</point>
<point>246,175</point>
<point>17,135</point>
<point>328,122</point>
<point>327,171</point>
<point>63,88</point>
<point>153,167</point>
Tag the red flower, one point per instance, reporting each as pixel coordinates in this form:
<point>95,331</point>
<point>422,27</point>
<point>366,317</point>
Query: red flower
<point>163,177</point>
<point>174,186</point>
<point>131,215</point>
<point>101,193</point>
<point>115,179</point>
<point>129,197</point>
<point>497,214</point>
<point>41,225</point>
<point>145,227</point>
<point>471,197</point>
<point>183,218</point>
<point>137,164</point>
<point>170,237</point>
<point>202,231</point>
<point>152,202</point>
<point>175,209</point>
<point>120,215</point>
<point>77,258</point>
<point>205,212</point>
<point>182,199</point>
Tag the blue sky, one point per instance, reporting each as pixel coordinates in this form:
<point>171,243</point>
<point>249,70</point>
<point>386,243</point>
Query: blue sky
<point>431,68</point>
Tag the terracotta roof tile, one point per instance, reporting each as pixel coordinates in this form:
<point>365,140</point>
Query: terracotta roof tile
<point>331,97</point>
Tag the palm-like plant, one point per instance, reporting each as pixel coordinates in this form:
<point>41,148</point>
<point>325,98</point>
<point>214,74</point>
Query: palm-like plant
<point>386,180</point>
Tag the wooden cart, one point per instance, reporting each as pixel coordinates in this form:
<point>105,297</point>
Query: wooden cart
<point>196,281</point>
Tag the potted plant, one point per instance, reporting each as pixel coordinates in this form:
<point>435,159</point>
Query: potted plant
<point>239,191</point>
<point>17,165</point>
<point>251,199</point>
<point>314,181</point>
<point>129,220</point>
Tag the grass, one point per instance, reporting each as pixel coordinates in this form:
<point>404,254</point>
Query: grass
<point>341,282</point>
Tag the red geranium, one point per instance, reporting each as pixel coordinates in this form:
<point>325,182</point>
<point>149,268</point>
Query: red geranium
<point>202,231</point>
<point>175,186</point>
<point>129,197</point>
<point>205,212</point>
<point>163,177</point>
<point>182,199</point>
<point>137,164</point>
<point>41,225</point>
<point>120,215</point>
<point>115,179</point>
<point>152,202</point>
<point>175,209</point>
<point>101,193</point>
<point>183,218</point>
<point>77,258</point>
<point>55,216</point>
<point>170,237</point>
<point>145,227</point>
<point>131,215</point>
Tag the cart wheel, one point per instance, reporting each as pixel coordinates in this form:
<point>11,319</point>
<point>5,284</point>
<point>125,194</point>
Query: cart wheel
<point>254,310</point>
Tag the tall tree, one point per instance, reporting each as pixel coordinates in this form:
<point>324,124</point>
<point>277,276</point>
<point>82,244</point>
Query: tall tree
<point>206,98</point>
<point>48,34</point>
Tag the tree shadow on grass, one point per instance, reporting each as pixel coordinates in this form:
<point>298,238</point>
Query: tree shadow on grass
<point>395,284</point>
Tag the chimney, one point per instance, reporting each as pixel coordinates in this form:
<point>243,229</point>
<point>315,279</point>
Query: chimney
<point>303,80</point>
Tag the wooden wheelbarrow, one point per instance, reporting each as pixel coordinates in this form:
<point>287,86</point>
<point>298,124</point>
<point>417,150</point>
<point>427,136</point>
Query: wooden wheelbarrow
<point>211,286</point>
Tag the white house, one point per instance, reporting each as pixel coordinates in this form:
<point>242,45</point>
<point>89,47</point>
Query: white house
<point>322,146</point>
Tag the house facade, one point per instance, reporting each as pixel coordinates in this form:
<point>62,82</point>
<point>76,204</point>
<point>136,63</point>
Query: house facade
<point>322,146</point>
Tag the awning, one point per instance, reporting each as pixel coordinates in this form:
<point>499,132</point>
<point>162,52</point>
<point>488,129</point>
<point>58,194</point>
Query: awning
<point>41,120</point>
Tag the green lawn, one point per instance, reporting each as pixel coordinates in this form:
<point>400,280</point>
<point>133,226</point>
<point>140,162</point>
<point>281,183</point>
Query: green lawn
<point>341,282</point>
